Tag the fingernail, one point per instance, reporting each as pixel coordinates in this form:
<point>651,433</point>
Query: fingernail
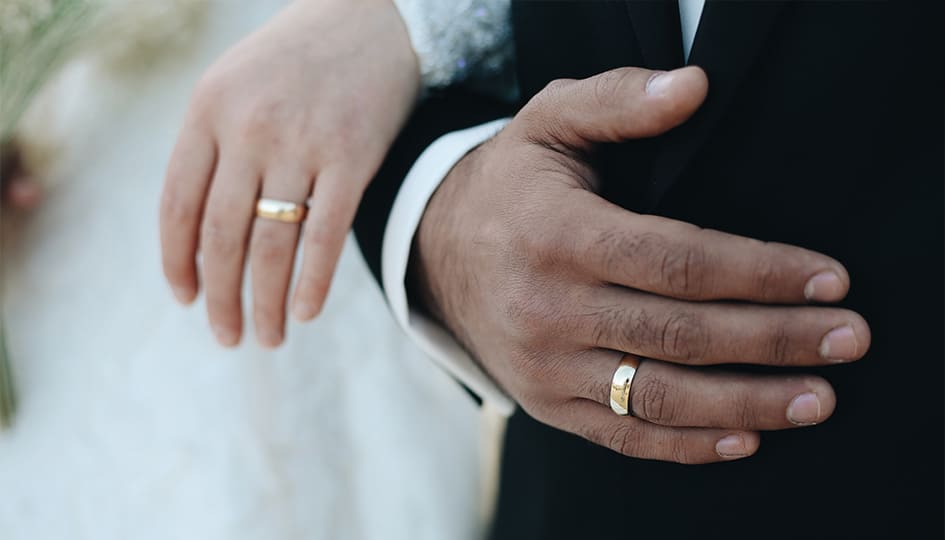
<point>304,311</point>
<point>804,410</point>
<point>659,83</point>
<point>225,336</point>
<point>839,345</point>
<point>824,287</point>
<point>269,339</point>
<point>731,446</point>
<point>183,295</point>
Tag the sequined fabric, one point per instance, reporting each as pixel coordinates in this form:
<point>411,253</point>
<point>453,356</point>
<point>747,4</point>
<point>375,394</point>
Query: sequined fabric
<point>461,41</point>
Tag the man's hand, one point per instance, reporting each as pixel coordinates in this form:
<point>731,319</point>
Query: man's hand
<point>547,285</point>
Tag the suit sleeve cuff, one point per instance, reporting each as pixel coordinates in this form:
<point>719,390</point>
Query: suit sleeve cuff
<point>419,185</point>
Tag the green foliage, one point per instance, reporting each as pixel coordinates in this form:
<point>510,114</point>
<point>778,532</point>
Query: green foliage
<point>7,391</point>
<point>36,39</point>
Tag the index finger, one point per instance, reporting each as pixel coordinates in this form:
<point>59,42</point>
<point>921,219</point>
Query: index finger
<point>672,258</point>
<point>188,176</point>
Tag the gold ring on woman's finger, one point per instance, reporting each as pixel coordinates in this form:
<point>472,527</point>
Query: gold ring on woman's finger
<point>283,211</point>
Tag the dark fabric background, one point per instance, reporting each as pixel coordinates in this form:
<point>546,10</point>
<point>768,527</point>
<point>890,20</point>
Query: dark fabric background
<point>830,138</point>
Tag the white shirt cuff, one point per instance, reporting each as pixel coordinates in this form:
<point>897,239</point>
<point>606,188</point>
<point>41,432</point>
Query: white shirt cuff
<point>411,202</point>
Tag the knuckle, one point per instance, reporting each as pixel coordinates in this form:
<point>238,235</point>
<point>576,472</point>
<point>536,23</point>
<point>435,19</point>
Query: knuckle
<point>179,171</point>
<point>630,327</point>
<point>679,269</point>
<point>744,411</point>
<point>314,280</point>
<point>531,316</point>
<point>682,270</point>
<point>595,389</point>
<point>684,337</point>
<point>681,451</point>
<point>650,400</point>
<point>767,278</point>
<point>270,246</point>
<point>534,380</point>
<point>547,246</point>
<point>557,377</point>
<point>544,410</point>
<point>607,87</point>
<point>607,321</point>
<point>248,119</point>
<point>529,378</point>
<point>257,122</point>
<point>557,85</point>
<point>175,211</point>
<point>551,92</point>
<point>615,250</point>
<point>320,238</point>
<point>613,88</point>
<point>217,240</point>
<point>540,113</point>
<point>208,94</point>
<point>779,346</point>
<point>625,439</point>
<point>538,369</point>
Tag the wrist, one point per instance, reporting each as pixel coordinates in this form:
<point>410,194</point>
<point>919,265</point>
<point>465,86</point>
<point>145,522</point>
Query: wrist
<point>406,54</point>
<point>381,22</point>
<point>437,269</point>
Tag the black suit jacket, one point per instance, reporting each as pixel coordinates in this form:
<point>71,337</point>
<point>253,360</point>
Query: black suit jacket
<point>823,127</point>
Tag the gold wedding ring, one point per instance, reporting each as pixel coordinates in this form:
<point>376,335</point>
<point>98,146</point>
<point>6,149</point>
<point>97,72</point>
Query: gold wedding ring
<point>620,386</point>
<point>284,211</point>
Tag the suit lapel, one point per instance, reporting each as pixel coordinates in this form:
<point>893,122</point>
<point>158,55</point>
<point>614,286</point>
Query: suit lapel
<point>659,36</point>
<point>727,44</point>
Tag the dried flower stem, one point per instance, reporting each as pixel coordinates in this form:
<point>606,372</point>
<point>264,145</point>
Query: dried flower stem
<point>33,46</point>
<point>7,390</point>
<point>36,38</point>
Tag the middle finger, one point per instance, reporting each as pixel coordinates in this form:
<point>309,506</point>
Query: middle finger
<point>700,333</point>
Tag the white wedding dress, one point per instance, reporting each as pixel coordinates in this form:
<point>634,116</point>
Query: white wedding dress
<point>133,423</point>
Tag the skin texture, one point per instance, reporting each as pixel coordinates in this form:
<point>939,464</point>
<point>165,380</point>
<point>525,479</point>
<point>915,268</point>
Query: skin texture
<point>304,108</point>
<point>547,285</point>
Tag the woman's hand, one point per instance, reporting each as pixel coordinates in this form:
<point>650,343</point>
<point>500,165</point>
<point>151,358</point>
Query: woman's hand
<point>305,108</point>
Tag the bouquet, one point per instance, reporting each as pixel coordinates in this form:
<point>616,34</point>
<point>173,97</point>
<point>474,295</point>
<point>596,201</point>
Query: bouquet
<point>38,37</point>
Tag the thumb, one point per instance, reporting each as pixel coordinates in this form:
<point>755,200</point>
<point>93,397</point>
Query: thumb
<point>621,104</point>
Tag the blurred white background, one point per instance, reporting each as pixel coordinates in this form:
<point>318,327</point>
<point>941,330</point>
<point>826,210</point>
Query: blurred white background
<point>134,424</point>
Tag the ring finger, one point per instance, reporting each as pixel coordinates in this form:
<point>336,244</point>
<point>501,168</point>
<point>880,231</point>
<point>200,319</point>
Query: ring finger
<point>673,395</point>
<point>272,255</point>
